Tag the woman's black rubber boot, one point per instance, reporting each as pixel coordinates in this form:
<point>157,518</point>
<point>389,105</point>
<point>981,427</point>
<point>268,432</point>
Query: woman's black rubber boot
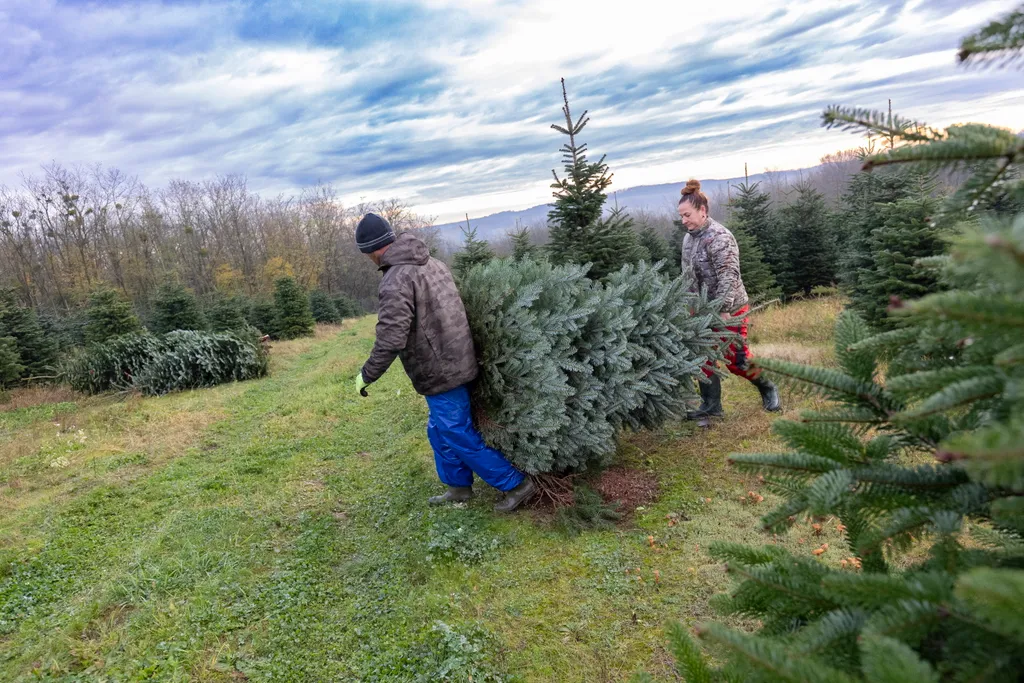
<point>711,400</point>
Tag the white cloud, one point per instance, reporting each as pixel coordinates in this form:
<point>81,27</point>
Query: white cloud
<point>465,96</point>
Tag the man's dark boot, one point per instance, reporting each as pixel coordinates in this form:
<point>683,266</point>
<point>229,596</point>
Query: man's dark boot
<point>711,400</point>
<point>517,496</point>
<point>769,394</point>
<point>454,494</point>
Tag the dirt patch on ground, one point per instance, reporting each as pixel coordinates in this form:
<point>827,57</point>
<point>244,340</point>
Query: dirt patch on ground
<point>623,488</point>
<point>627,488</point>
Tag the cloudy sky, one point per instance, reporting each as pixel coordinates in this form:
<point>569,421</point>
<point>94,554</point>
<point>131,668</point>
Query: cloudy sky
<point>447,103</point>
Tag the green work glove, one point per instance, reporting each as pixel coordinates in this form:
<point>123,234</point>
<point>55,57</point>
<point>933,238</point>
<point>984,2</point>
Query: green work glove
<point>361,384</point>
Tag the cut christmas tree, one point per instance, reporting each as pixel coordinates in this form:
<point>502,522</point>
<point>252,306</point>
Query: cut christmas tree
<point>567,362</point>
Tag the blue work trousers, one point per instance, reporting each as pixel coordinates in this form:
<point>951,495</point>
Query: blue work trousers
<point>459,450</point>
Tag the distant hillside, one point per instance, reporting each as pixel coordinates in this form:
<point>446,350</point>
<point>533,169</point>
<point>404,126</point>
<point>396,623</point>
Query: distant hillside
<point>659,198</point>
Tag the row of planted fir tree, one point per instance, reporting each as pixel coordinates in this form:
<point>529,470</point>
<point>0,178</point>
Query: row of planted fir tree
<point>866,245</point>
<point>32,345</point>
<point>793,241</point>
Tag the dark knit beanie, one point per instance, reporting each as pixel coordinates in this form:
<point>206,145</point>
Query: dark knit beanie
<point>372,233</point>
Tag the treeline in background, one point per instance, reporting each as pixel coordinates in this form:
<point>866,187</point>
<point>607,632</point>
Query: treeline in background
<point>89,253</point>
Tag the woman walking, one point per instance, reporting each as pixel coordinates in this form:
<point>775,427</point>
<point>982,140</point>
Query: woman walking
<point>712,260</point>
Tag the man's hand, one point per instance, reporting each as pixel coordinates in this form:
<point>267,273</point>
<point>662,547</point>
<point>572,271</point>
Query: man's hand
<point>361,384</point>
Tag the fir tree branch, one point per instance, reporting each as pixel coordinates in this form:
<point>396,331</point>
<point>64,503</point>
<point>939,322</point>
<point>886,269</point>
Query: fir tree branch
<point>830,382</point>
<point>888,660</point>
<point>801,596</point>
<point>995,595</point>
<point>773,658</point>
<point>836,625</point>
<point>790,462</point>
<point>920,478</point>
<point>1000,41</point>
<point>964,143</point>
<point>690,661</point>
<point>876,123</point>
<point>954,396</point>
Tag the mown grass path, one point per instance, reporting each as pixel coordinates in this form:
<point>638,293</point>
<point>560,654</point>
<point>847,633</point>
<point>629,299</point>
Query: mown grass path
<point>278,530</point>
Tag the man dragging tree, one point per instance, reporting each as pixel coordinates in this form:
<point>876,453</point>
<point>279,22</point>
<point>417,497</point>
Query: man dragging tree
<point>711,258</point>
<point>422,321</point>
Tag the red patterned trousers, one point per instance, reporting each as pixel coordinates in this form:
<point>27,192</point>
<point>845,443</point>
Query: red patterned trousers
<point>738,355</point>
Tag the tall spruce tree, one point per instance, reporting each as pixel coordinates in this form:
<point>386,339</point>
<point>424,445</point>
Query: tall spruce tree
<point>109,315</point>
<point>579,234</point>
<point>757,276</point>
<point>175,308</point>
<point>808,247</point>
<point>933,585</point>
<point>862,209</point>
<point>751,211</point>
<point>292,317</point>
<point>474,252</point>
<point>907,233</point>
<point>37,352</point>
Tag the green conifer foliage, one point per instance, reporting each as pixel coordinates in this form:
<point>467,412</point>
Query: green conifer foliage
<point>567,362</point>
<point>521,390</point>
<point>757,276</point>
<point>11,368</point>
<point>866,198</point>
<point>675,242</point>
<point>36,351</point>
<point>579,234</point>
<point>226,315</point>
<point>175,308</point>
<point>347,306</point>
<point>908,232</point>
<point>321,305</point>
<point>751,211</point>
<point>66,330</point>
<point>189,359</point>
<point>936,543</point>
<point>183,359</point>
<point>262,315</point>
<point>934,589</point>
<point>291,307</point>
<point>807,247</point>
<point>523,249</point>
<point>659,250</point>
<point>474,252</point>
<point>108,315</point>
<point>672,336</point>
<point>612,243</point>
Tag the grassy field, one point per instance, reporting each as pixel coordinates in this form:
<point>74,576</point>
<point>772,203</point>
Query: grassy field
<point>278,530</point>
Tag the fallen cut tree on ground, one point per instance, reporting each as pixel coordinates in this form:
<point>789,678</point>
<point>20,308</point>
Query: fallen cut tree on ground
<point>153,365</point>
